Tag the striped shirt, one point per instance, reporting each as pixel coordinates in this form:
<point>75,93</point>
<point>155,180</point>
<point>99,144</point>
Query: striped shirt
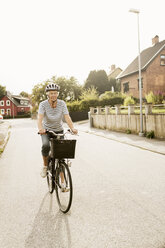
<point>53,116</point>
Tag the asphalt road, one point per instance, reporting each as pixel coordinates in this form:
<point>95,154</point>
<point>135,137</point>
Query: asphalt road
<point>119,195</point>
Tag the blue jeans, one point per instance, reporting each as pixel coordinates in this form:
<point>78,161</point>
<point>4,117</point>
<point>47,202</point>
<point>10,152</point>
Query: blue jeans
<point>46,144</point>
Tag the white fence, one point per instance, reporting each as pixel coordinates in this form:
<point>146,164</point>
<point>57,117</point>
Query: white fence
<point>113,119</point>
<point>131,109</point>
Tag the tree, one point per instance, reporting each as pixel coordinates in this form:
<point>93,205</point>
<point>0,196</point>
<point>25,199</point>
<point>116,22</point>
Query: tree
<point>69,88</point>
<point>2,91</point>
<point>99,80</point>
<point>89,94</point>
<point>24,94</point>
<point>38,93</point>
<point>115,84</point>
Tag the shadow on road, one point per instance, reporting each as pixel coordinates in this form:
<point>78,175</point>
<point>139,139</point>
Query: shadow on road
<point>49,229</point>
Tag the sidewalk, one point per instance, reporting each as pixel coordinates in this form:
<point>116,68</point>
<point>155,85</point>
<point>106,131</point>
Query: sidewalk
<point>153,145</point>
<point>4,134</point>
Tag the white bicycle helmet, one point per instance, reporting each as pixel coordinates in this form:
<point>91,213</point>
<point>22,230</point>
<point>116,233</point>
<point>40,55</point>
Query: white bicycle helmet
<point>51,87</point>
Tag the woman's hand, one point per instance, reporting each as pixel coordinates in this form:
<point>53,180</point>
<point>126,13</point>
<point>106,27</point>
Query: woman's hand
<point>75,131</point>
<point>42,131</point>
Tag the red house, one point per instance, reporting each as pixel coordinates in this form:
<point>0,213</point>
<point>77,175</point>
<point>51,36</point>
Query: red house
<point>152,71</point>
<point>12,105</point>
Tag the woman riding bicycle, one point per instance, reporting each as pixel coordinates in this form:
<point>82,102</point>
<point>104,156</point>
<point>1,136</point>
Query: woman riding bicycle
<point>50,115</point>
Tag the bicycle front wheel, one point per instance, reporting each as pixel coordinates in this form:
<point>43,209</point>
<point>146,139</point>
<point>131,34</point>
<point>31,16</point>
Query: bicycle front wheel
<point>63,186</point>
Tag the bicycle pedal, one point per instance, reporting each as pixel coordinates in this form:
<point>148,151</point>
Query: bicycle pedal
<point>64,190</point>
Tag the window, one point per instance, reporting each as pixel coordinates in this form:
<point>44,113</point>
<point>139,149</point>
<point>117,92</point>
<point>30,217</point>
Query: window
<point>1,103</point>
<point>8,111</point>
<point>7,103</point>
<point>162,59</point>
<point>2,111</point>
<point>126,87</point>
<point>23,102</point>
<point>141,82</point>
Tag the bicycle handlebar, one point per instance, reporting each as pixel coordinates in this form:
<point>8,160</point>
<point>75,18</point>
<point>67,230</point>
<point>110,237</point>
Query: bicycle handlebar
<point>59,134</point>
<point>55,134</point>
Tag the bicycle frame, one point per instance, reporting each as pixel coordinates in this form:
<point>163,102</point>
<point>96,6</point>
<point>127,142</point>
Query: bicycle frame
<point>59,174</point>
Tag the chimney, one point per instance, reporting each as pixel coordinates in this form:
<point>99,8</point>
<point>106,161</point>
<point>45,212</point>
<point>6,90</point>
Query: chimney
<point>113,67</point>
<point>155,40</point>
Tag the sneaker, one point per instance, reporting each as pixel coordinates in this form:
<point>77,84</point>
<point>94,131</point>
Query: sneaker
<point>44,171</point>
<point>63,188</point>
<point>69,163</point>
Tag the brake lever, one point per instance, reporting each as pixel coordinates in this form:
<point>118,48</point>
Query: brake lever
<point>70,131</point>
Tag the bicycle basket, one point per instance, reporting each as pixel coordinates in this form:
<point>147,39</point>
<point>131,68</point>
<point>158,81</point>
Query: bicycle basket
<point>64,148</point>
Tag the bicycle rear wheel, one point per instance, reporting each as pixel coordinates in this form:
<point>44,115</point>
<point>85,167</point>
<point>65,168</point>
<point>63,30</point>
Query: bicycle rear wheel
<point>50,180</point>
<point>64,194</point>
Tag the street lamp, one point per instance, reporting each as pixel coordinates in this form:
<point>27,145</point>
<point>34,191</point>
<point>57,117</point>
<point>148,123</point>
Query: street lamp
<point>140,81</point>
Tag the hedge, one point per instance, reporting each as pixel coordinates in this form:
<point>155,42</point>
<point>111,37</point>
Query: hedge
<point>17,116</point>
<point>79,116</point>
<point>85,105</point>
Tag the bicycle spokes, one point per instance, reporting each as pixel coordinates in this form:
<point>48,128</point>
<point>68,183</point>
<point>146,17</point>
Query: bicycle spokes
<point>64,188</point>
<point>50,180</point>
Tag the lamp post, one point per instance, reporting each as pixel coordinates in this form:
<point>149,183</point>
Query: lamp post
<point>140,81</point>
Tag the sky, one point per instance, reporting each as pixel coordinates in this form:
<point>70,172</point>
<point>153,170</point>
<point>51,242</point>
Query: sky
<point>44,38</point>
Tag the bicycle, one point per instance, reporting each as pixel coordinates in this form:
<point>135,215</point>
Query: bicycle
<point>58,173</point>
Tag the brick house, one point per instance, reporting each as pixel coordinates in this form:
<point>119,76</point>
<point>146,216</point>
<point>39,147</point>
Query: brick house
<point>152,71</point>
<point>12,105</point>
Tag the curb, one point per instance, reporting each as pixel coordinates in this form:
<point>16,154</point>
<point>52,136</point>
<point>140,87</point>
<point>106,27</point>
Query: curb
<point>143,147</point>
<point>81,122</point>
<point>127,143</point>
<point>5,140</point>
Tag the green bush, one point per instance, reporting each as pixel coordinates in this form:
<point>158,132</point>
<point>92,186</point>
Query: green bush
<point>111,98</point>
<point>154,98</point>
<point>112,101</point>
<point>128,131</point>
<point>84,105</point>
<point>89,94</point>
<point>150,97</point>
<point>110,94</point>
<point>129,100</point>
<point>28,115</point>
<point>150,135</point>
<point>159,98</point>
<point>73,106</point>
